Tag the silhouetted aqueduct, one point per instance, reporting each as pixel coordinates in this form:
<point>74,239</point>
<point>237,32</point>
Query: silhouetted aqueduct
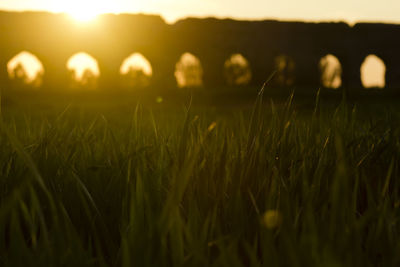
<point>53,38</point>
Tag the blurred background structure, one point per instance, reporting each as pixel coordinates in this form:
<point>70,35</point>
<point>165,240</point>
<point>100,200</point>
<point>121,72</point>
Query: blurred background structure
<point>196,52</point>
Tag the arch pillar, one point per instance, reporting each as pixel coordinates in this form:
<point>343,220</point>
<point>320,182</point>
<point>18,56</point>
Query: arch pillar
<point>163,64</point>
<point>212,63</point>
<point>261,65</point>
<point>306,71</point>
<point>4,80</point>
<point>109,74</point>
<point>392,77</point>
<point>55,72</point>
<point>351,73</point>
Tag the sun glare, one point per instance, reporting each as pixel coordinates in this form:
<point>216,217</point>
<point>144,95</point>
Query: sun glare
<point>83,15</point>
<point>85,11</point>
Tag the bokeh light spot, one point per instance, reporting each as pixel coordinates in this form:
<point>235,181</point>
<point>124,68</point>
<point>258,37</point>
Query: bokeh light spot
<point>84,69</point>
<point>136,71</point>
<point>331,72</point>
<point>237,70</point>
<point>188,71</point>
<point>26,68</point>
<point>373,71</point>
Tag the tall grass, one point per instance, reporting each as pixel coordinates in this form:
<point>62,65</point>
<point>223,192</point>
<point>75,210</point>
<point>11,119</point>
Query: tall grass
<point>271,186</point>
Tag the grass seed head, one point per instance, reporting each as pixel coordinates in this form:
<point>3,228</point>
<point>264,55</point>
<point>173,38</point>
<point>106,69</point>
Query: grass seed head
<point>272,219</point>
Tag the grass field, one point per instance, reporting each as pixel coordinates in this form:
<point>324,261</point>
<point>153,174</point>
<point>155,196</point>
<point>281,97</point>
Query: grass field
<point>122,182</point>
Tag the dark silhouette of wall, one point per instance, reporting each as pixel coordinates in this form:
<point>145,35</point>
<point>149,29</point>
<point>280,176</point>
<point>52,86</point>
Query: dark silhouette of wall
<point>53,38</point>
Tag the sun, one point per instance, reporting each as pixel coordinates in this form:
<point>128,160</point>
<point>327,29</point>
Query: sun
<point>85,10</point>
<point>83,15</point>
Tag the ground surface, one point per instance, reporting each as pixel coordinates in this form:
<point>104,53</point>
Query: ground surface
<point>150,180</point>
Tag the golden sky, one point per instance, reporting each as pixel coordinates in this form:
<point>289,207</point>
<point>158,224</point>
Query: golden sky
<point>316,10</point>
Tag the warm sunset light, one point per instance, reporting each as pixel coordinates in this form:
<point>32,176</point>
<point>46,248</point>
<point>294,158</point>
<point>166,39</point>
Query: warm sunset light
<point>83,15</point>
<point>85,11</point>
<point>188,71</point>
<point>237,70</point>
<point>199,132</point>
<point>84,70</point>
<point>331,72</point>
<point>136,61</point>
<point>29,62</point>
<point>26,67</point>
<point>373,72</point>
<point>173,10</point>
<point>81,62</point>
<point>136,71</point>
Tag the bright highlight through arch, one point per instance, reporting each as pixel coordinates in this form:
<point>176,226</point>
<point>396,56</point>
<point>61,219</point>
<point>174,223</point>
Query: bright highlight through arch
<point>81,63</point>
<point>331,72</point>
<point>136,61</point>
<point>188,71</point>
<point>136,71</point>
<point>31,65</point>
<point>373,72</point>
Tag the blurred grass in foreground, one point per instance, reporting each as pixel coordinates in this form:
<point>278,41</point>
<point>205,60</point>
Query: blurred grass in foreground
<point>135,185</point>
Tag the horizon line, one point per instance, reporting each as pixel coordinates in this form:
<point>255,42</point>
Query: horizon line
<point>218,17</point>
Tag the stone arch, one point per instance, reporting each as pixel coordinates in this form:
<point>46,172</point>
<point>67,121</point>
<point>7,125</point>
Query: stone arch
<point>25,69</point>
<point>330,72</point>
<point>83,70</point>
<point>189,71</point>
<point>237,70</point>
<point>136,71</point>
<point>284,67</point>
<point>373,72</point>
